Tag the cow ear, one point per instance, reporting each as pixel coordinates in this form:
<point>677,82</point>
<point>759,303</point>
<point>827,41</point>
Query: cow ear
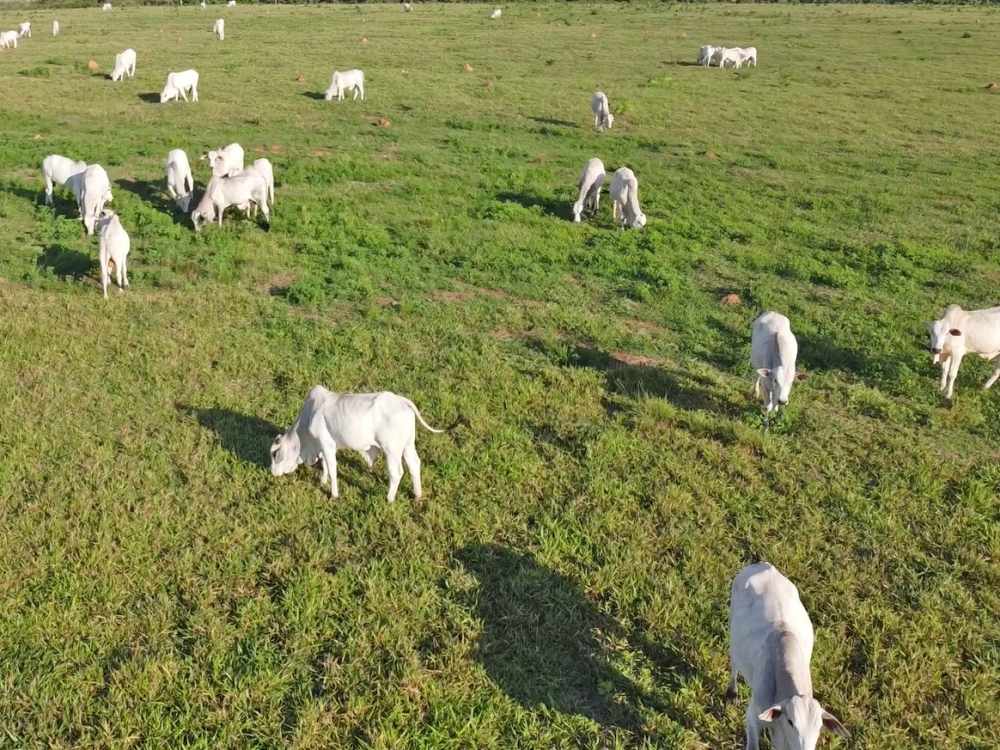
<point>800,376</point>
<point>954,332</point>
<point>764,372</point>
<point>833,724</point>
<point>929,326</point>
<point>774,712</point>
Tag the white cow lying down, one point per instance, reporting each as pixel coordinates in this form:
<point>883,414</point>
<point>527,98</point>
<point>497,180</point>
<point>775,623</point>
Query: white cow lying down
<point>959,332</point>
<point>770,644</point>
<point>365,422</point>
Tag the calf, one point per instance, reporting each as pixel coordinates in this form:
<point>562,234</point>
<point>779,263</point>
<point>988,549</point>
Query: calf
<point>770,644</point>
<point>369,423</point>
<point>959,333</point>
<point>113,247</point>
<point>24,29</point>
<point>591,179</point>
<point>773,350</point>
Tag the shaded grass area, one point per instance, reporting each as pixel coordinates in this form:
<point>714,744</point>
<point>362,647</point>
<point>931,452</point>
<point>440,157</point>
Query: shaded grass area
<point>563,582</point>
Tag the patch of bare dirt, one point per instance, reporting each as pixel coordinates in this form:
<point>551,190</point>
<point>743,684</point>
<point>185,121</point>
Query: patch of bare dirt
<point>447,296</point>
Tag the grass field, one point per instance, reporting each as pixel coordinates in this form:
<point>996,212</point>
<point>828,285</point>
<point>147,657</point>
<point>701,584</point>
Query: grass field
<point>564,581</point>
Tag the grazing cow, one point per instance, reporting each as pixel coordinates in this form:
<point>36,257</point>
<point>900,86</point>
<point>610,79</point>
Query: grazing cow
<point>8,38</point>
<point>770,644</point>
<point>747,55</point>
<point>730,54</point>
<point>497,12</point>
<point>591,179</point>
<point>124,65</point>
<point>773,350</point>
<point>58,170</point>
<point>366,422</point>
<point>220,29</point>
<point>55,28</point>
<point>624,193</point>
<point>706,54</point>
<point>92,189</point>
<point>106,6</point>
<point>178,84</point>
<point>602,111</point>
<point>347,81</point>
<point>180,181</point>
<point>959,333</point>
<point>240,191</point>
<point>113,247</point>
<point>24,29</point>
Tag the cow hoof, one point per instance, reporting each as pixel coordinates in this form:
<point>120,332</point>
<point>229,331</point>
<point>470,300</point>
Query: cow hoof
<point>731,696</point>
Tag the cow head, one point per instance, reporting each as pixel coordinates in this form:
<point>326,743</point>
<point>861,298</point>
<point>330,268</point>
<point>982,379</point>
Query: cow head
<point>285,454</point>
<point>795,724</point>
<point>779,382</point>
<point>941,337</point>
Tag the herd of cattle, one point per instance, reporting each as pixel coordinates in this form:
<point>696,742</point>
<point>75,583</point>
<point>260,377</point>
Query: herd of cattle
<point>771,637</point>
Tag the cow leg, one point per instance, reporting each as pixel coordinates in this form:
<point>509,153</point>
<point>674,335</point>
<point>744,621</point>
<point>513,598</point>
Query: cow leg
<point>944,373</point>
<point>395,463</point>
<point>731,691</point>
<point>994,376</point>
<point>329,453</point>
<point>413,464</point>
<point>956,360</point>
<point>370,455</point>
<point>753,728</point>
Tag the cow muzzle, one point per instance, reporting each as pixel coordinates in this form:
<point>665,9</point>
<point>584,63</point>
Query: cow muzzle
<point>782,402</point>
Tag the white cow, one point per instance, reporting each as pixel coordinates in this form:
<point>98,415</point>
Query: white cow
<point>8,38</point>
<point>264,169</point>
<point>24,29</point>
<point>55,28</point>
<point>770,644</point>
<point>124,65</point>
<point>223,192</point>
<point>113,247</point>
<point>106,6</point>
<point>180,181</point>
<point>203,3</point>
<point>407,7</point>
<point>180,83</point>
<point>773,350</point>
<point>92,189</point>
<point>231,3</point>
<point>625,199</point>
<point>57,171</point>
<point>220,29</point>
<point>747,55</point>
<point>961,332</point>
<point>495,14</point>
<point>730,54</point>
<point>226,162</point>
<point>602,112</point>
<point>591,179</point>
<point>346,81</point>
<point>706,54</point>
<point>365,422</point>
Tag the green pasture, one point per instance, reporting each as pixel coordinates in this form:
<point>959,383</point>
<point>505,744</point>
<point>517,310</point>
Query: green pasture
<point>563,583</point>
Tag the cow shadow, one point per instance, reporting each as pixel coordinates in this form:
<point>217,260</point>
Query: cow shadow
<point>684,63</point>
<point>554,121</point>
<point>247,438</point>
<point>33,196</point>
<point>820,353</point>
<point>544,642</point>
<point>153,98</point>
<point>154,194</point>
<point>558,209</point>
<point>315,95</point>
<point>66,263</point>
